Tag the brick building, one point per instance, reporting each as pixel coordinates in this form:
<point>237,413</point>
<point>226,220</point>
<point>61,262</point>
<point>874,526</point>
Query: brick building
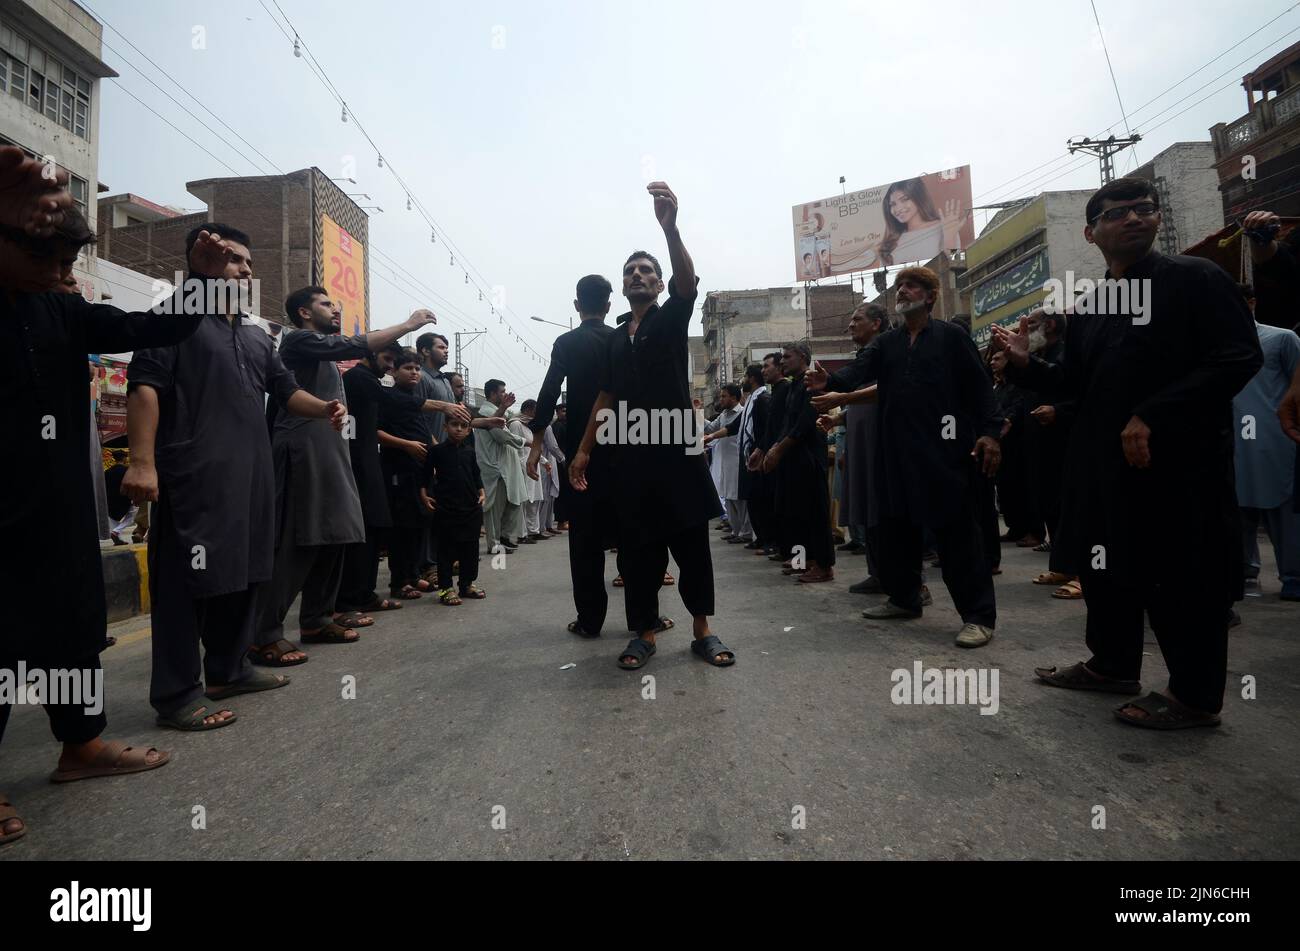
<point>283,215</point>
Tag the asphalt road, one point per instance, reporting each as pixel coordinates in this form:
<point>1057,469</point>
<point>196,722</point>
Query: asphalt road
<point>468,739</point>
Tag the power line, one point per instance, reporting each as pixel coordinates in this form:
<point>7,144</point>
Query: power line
<point>413,199</point>
<point>1114,83</point>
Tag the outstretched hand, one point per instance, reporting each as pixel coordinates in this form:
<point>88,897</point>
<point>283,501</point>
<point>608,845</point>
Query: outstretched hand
<point>33,194</point>
<point>209,255</point>
<point>1014,344</point>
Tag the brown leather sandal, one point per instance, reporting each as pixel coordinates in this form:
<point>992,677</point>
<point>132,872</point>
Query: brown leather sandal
<point>115,759</point>
<point>8,812</point>
<point>272,655</point>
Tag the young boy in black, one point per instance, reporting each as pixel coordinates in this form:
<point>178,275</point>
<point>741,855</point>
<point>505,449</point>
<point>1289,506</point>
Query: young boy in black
<point>403,453</point>
<point>451,487</point>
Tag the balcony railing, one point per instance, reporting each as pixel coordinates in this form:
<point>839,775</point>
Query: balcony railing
<point>1287,106</point>
<point>1268,114</point>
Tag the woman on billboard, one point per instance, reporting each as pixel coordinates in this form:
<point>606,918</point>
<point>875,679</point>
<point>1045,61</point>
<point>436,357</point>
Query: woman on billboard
<point>914,231</point>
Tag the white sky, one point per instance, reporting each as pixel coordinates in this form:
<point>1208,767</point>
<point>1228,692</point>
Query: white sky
<point>534,157</point>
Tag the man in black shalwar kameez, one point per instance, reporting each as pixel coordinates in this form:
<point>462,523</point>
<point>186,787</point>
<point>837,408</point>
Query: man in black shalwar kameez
<point>200,449</point>
<point>800,456</point>
<point>938,421</point>
<point>318,510</point>
<point>579,357</point>
<point>665,495</point>
<point>43,387</point>
<point>1149,466</point>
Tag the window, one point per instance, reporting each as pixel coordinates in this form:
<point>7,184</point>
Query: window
<point>79,189</point>
<point>29,73</point>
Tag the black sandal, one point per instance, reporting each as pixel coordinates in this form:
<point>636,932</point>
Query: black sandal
<point>331,634</point>
<point>711,648</point>
<point>639,650</point>
<point>1163,713</point>
<point>272,655</point>
<point>575,627</point>
<point>1078,677</point>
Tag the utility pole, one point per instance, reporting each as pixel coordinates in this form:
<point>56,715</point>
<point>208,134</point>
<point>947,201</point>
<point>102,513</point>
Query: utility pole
<point>1105,150</point>
<point>472,335</point>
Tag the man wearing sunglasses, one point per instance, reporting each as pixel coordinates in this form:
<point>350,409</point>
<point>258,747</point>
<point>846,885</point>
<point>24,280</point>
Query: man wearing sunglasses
<point>1149,463</point>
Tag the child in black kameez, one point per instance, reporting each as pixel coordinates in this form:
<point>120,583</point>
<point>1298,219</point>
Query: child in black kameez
<point>452,488</point>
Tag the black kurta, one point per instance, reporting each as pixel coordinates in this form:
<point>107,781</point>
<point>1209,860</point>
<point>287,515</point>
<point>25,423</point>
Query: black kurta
<point>1176,520</point>
<point>313,472</point>
<point>212,452</point>
<point>661,489</point>
<point>365,394</point>
<point>49,502</point>
<point>926,479</point>
<point>451,476</point>
<point>805,496</point>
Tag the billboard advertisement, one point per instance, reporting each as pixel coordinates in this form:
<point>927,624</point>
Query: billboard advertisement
<point>901,223</point>
<point>344,260</point>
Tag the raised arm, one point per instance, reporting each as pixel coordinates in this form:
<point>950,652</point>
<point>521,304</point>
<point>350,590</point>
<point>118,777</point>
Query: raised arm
<point>666,211</point>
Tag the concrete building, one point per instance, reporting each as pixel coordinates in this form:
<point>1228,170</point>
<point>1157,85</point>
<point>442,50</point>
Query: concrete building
<point>301,224</point>
<point>1257,155</point>
<point>1020,249</point>
<point>50,72</point>
<point>1190,203</point>
<point>734,320</point>
<point>699,357</point>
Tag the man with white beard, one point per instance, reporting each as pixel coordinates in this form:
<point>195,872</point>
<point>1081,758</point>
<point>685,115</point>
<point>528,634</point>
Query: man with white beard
<point>938,423</point>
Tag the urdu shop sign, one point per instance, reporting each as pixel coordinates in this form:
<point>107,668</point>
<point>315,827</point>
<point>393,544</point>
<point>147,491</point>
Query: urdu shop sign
<point>1025,277</point>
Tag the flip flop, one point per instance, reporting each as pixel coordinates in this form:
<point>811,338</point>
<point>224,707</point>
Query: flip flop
<point>710,648</point>
<point>1163,713</point>
<point>331,634</point>
<point>1078,677</point>
<point>639,650</point>
<point>272,655</point>
<point>190,719</point>
<point>115,759</point>
<point>254,683</point>
<point>1070,591</point>
<point>353,619</point>
<point>1052,577</point>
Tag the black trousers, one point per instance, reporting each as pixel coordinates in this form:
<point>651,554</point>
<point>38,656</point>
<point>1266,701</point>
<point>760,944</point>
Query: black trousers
<point>224,625</point>
<point>806,508</point>
<point>70,723</point>
<point>643,568</point>
<point>1190,622</point>
<point>405,536</point>
<point>591,533</point>
<point>358,589</point>
<point>966,573</point>
<point>988,519</point>
<point>458,541</point>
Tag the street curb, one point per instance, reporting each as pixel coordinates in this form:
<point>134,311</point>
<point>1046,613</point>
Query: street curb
<point>126,581</point>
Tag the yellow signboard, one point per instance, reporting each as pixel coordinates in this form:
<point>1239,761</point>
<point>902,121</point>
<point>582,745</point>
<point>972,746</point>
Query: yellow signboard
<point>344,260</point>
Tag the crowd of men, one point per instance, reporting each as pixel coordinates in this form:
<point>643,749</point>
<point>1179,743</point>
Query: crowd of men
<point>274,477</point>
